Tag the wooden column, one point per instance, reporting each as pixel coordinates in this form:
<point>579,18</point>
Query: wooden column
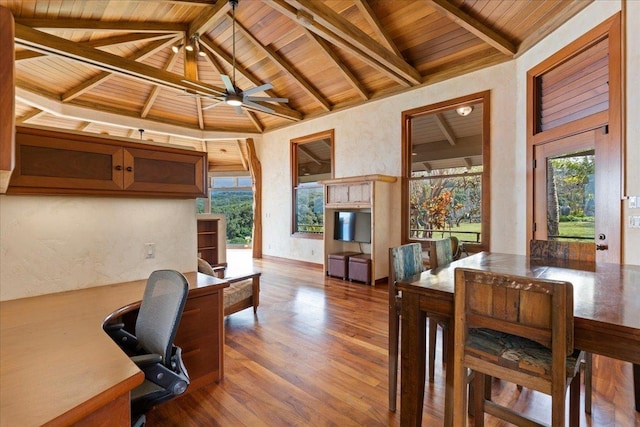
<point>256,178</point>
<point>7,100</point>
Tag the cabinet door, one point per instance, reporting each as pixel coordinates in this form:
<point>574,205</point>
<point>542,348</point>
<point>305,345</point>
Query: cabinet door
<point>47,163</point>
<point>165,172</point>
<point>360,193</point>
<point>338,193</point>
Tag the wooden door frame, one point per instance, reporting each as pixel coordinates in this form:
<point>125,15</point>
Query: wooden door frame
<point>483,97</point>
<point>613,117</point>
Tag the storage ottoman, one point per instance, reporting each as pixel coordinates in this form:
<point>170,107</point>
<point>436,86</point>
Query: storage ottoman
<point>360,268</point>
<point>339,264</point>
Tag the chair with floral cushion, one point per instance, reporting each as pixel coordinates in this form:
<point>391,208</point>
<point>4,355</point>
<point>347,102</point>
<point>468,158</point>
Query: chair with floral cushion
<point>518,329</point>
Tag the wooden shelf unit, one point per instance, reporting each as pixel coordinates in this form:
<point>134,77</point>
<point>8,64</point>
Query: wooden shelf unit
<point>208,240</point>
<point>212,238</point>
<point>377,194</point>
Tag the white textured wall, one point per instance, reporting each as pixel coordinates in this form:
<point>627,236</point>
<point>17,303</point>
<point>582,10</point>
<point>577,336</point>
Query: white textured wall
<point>368,141</point>
<point>52,244</point>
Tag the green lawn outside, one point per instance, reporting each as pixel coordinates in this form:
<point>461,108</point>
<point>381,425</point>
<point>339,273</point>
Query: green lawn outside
<point>573,228</point>
<point>580,229</point>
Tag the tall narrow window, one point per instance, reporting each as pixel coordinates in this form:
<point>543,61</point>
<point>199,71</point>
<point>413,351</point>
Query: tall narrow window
<point>311,162</point>
<point>446,150</point>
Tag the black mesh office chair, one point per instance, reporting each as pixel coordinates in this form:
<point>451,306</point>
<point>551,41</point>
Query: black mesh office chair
<point>151,346</point>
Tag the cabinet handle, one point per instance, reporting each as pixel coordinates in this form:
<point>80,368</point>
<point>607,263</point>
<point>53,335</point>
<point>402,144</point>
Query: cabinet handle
<point>129,169</point>
<point>118,168</point>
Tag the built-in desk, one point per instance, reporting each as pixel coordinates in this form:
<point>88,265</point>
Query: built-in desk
<point>59,367</point>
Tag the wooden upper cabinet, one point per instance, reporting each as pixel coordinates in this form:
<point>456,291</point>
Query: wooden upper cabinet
<point>349,194</point>
<point>64,163</point>
<point>150,170</point>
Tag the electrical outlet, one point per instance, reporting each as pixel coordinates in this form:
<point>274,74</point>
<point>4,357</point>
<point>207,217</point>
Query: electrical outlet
<point>149,250</point>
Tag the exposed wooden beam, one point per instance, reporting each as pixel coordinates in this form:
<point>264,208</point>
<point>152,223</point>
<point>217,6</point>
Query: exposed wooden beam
<point>191,73</point>
<point>53,45</point>
<point>156,89</point>
<point>468,162</point>
<point>306,20</point>
<point>105,41</point>
<point>208,18</point>
<point>245,166</point>
<point>346,72</point>
<point>33,95</point>
<point>445,128</point>
<point>33,114</point>
<point>552,24</point>
<point>376,25</point>
<point>309,154</point>
<point>299,78</point>
<point>254,119</point>
<point>141,55</point>
<point>84,126</point>
<point>97,25</point>
<point>287,68</point>
<point>338,30</point>
<point>475,27</point>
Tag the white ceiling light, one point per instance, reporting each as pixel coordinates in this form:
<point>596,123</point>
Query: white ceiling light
<point>464,111</point>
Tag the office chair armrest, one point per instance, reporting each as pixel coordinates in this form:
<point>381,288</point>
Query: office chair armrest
<point>145,360</point>
<point>124,339</point>
<point>159,374</point>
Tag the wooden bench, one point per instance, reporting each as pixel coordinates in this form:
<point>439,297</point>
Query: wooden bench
<point>243,292</point>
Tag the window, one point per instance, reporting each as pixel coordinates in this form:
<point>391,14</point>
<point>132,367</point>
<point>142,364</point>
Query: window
<point>233,197</point>
<point>311,162</point>
<point>446,148</point>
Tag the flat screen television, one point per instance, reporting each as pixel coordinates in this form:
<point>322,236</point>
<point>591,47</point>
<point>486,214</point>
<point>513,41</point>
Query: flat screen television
<point>352,226</point>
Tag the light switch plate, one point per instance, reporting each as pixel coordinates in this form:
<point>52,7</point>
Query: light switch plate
<point>633,202</point>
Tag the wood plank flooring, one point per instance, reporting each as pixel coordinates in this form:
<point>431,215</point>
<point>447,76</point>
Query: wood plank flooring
<point>316,355</point>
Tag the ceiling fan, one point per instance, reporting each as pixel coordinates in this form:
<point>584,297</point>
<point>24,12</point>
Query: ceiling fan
<point>236,97</point>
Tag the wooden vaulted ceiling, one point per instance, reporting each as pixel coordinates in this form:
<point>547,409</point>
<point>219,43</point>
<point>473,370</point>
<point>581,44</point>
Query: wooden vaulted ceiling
<point>108,66</point>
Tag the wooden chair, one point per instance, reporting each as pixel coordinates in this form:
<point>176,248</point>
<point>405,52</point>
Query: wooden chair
<point>404,261</point>
<point>559,252</point>
<point>440,254</point>
<point>518,329</point>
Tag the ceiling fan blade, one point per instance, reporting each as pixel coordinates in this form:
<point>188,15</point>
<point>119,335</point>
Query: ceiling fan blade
<point>260,88</point>
<point>212,105</point>
<point>258,107</point>
<point>267,99</point>
<point>228,84</point>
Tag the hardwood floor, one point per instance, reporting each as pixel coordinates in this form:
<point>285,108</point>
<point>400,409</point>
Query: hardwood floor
<point>316,355</point>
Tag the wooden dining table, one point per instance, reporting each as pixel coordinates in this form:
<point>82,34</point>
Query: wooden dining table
<point>606,316</point>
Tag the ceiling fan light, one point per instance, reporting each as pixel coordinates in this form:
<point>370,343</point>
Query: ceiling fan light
<point>176,48</point>
<point>233,100</point>
<point>464,111</point>
<point>189,47</point>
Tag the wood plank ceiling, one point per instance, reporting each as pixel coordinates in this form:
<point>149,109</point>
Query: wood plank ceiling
<point>108,66</point>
